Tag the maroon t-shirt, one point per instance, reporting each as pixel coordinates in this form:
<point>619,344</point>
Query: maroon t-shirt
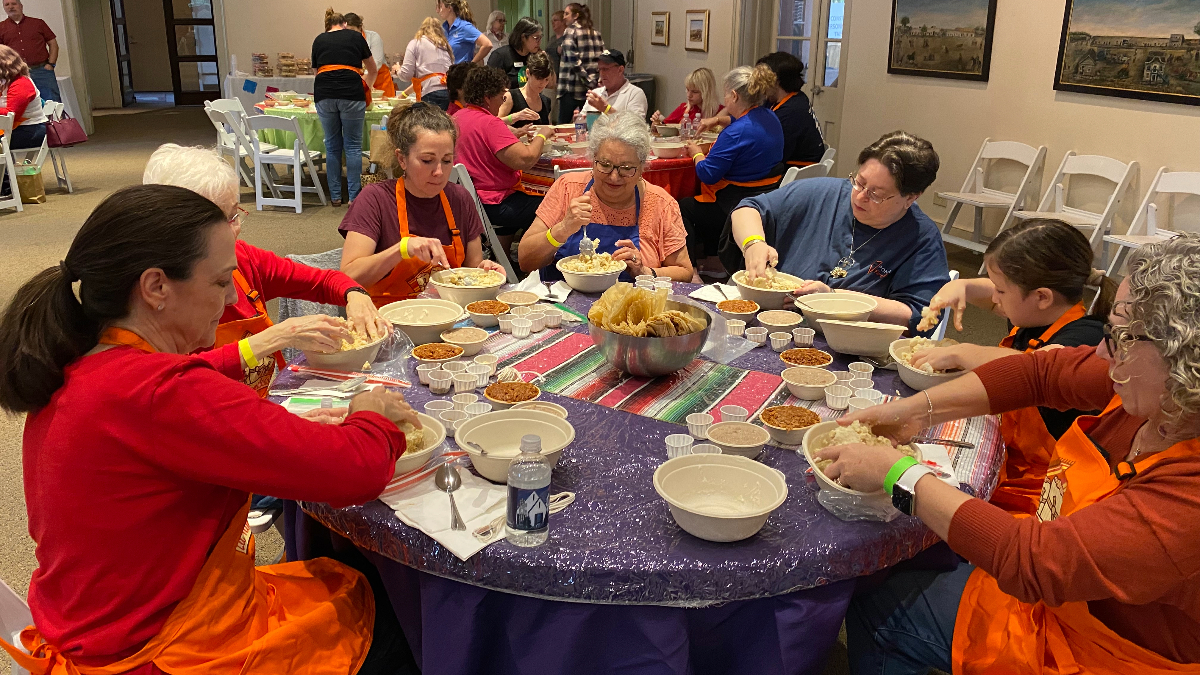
<point>29,38</point>
<point>373,214</point>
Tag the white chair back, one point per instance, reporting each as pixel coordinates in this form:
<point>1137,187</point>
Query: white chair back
<point>14,617</point>
<point>1075,171</point>
<point>829,156</point>
<point>266,155</point>
<point>460,176</point>
<point>939,333</point>
<point>14,200</point>
<point>795,173</point>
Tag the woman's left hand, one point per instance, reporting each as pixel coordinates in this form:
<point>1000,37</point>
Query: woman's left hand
<point>491,266</point>
<point>326,415</point>
<point>859,466</point>
<point>811,287</point>
<point>631,255</point>
<point>361,311</point>
<point>692,149</point>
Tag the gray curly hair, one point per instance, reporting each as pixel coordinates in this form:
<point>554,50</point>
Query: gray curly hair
<point>1164,290</point>
<point>623,127</point>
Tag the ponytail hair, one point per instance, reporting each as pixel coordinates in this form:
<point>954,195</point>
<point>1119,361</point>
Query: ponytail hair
<point>45,327</point>
<point>752,84</point>
<point>332,19</point>
<point>353,21</point>
<point>583,15</point>
<point>1048,253</point>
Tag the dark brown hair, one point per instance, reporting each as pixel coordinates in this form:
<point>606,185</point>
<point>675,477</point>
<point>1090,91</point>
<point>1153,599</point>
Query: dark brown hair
<point>788,68</point>
<point>354,21</point>
<point>526,27</point>
<point>484,82</point>
<point>538,65</point>
<point>1046,253</point>
<point>911,160</point>
<point>403,125</point>
<point>44,327</point>
<point>583,13</point>
<point>456,77</point>
<point>332,19</point>
<point>12,66</point>
<point>461,9</point>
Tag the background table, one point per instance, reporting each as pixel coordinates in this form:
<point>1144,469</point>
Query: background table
<point>310,127</point>
<point>676,176</point>
<point>235,87</point>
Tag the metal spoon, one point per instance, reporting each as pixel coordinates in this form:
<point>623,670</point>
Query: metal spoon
<point>447,480</point>
<point>473,445</point>
<point>342,388</point>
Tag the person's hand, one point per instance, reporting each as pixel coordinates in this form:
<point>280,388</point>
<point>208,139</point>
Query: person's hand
<point>492,265</point>
<point>940,358</point>
<point>692,149</point>
<point>48,67</point>
<point>315,333</point>
<point>547,132</point>
<point>362,314</point>
<point>859,466</point>
<point>523,115</point>
<point>326,415</point>
<point>811,286</point>
<point>597,101</point>
<point>954,296</point>
<point>656,118</point>
<point>427,249</point>
<point>759,256</point>
<point>387,403</point>
<point>579,213</point>
<point>631,255</point>
<point>899,421</point>
<point>708,124</point>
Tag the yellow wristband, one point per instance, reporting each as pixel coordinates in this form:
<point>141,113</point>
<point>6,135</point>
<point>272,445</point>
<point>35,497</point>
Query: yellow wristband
<point>751,238</point>
<point>550,238</point>
<point>247,353</point>
<point>698,154</point>
<point>608,108</point>
<point>404,248</point>
<point>544,137</point>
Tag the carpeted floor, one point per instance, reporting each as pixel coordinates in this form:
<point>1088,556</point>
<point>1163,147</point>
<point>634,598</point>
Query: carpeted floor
<point>114,157</point>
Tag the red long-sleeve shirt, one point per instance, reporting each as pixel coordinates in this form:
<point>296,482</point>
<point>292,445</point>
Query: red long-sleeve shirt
<point>1133,557</point>
<point>136,468</point>
<point>17,97</point>
<point>273,277</point>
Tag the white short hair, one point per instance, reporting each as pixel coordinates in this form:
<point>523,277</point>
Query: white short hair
<point>624,127</point>
<point>200,170</point>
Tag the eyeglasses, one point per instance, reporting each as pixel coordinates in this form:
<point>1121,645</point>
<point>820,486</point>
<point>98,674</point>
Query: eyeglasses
<point>239,217</point>
<point>625,171</point>
<point>1110,340</point>
<point>871,194</point>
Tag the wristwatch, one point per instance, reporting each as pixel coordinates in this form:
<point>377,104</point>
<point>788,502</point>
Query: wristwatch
<point>904,492</point>
<point>356,289</point>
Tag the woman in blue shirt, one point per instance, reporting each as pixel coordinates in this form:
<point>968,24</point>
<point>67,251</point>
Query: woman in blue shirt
<point>866,234</point>
<point>467,43</point>
<point>742,162</point>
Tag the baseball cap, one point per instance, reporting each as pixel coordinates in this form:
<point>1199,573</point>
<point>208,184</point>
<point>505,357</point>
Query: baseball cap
<point>612,56</point>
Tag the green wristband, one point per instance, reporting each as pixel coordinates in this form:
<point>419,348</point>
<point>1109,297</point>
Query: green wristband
<point>903,464</point>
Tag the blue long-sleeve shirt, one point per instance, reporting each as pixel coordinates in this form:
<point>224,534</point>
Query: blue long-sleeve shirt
<point>811,225</point>
<point>748,149</point>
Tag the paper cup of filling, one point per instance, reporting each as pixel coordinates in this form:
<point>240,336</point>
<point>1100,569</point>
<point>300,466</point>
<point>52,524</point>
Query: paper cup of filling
<point>434,408</point>
<point>838,396</point>
<point>489,360</point>
<point>505,321</point>
<point>440,382</point>
<point>454,367</point>
<point>553,317</point>
<point>423,371</point>
<point>705,449</point>
<point>869,394</point>
<point>477,409</point>
<point>538,320</point>
<point>856,403</point>
<point>481,372</point>
<point>449,417</point>
<point>520,312</point>
<point>521,327</point>
<point>858,382</point>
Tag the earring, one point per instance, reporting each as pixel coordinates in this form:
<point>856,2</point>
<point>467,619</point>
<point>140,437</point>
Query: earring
<point>160,307</point>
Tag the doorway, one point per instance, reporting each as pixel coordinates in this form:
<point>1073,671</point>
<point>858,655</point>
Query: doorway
<point>166,51</point>
<point>814,31</point>
<point>515,9</point>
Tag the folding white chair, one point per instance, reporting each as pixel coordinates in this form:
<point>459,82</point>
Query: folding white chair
<point>558,172</point>
<point>975,192</point>
<point>459,175</point>
<point>14,199</point>
<point>830,153</point>
<point>1054,201</point>
<point>226,139</point>
<point>939,333</point>
<point>1146,227</point>
<point>14,617</point>
<point>299,158</point>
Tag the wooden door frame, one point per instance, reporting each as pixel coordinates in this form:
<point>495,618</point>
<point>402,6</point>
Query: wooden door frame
<point>190,97</point>
<point>127,93</point>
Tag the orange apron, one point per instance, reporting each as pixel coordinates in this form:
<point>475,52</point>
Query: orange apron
<point>419,82</point>
<point>1029,445</point>
<point>996,633</point>
<point>337,66</point>
<point>383,81</point>
<point>258,378</point>
<point>708,193</point>
<point>776,109</point>
<point>409,277</point>
<point>314,617</point>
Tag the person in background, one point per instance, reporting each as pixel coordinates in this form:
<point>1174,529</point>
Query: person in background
<point>803,142</point>
<point>19,96</point>
<point>635,221</point>
<point>615,93</point>
<point>342,91</point>
<point>383,79</point>
<point>578,70</point>
<point>558,24</point>
<point>495,29</point>
<point>466,42</point>
<point>427,61</point>
<point>525,39</point>
<point>527,104</point>
<point>1037,272</point>
<point>866,234</point>
<point>741,163</point>
<point>400,228</point>
<point>36,44</point>
<point>456,79</point>
<point>494,157</point>
<point>702,99</point>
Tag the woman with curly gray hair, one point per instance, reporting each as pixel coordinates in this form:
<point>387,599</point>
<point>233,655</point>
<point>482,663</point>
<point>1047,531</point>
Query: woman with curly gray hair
<point>1106,577</point>
<point>634,220</point>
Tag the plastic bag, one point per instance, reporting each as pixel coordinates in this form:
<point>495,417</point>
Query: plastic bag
<point>877,507</point>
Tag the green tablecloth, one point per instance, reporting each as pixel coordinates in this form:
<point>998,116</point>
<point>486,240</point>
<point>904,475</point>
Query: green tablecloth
<point>310,126</point>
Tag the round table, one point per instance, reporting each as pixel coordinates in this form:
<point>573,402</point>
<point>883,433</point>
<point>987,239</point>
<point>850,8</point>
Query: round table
<point>676,176</point>
<point>310,127</point>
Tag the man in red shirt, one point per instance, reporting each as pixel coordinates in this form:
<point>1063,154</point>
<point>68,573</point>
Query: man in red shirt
<point>36,43</point>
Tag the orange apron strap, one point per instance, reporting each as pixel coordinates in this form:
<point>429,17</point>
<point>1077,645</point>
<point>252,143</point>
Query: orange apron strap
<point>708,193</point>
<point>409,277</point>
<point>122,337</point>
<point>258,378</point>
<point>43,658</point>
<point>338,66</point>
<point>785,100</point>
<point>1074,314</point>
<point>418,83</point>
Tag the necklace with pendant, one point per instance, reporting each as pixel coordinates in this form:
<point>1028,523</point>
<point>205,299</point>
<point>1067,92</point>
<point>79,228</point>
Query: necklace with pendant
<point>848,261</point>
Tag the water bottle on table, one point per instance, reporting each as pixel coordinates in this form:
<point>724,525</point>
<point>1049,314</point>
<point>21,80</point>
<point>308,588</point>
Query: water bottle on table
<point>528,519</point>
<point>581,131</point>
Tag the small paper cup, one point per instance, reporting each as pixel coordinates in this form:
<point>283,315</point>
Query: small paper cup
<point>505,323</point>
<point>843,376</point>
<point>476,409</point>
<point>521,327</point>
<point>454,367</point>
<point>481,372</point>
<point>539,321</point>
<point>757,335</point>
<point>424,370</point>
<point>664,283</point>
<point>678,445</point>
<point>435,408</point>
<point>488,360</point>
<point>803,336</point>
<point>440,382</point>
<point>837,396</point>
<point>698,424</point>
<point>705,448</point>
<point>519,312</point>
<point>780,341</point>
<point>861,383</point>
<point>863,368</point>
<point>464,399</point>
<point>553,317</point>
<point>647,285</point>
<point>449,417</point>
<point>869,394</point>
<point>735,327</point>
<point>734,413</point>
<point>857,403</point>
<point>644,277</point>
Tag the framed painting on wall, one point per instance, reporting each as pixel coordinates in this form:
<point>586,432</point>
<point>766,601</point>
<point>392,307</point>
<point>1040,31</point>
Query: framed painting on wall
<point>1132,49</point>
<point>660,28</point>
<point>695,23</point>
<point>942,38</point>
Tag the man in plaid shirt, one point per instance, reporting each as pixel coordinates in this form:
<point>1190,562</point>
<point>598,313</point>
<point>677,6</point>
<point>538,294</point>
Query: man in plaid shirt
<point>577,71</point>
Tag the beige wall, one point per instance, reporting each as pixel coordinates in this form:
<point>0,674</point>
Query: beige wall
<point>671,64</point>
<point>1019,103</point>
<point>51,12</point>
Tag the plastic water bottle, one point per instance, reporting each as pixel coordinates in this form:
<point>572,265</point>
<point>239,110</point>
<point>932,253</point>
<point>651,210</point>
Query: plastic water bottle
<point>528,495</point>
<point>580,126</point>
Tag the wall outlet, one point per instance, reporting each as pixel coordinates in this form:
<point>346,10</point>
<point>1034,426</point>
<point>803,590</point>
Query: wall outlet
<point>939,200</point>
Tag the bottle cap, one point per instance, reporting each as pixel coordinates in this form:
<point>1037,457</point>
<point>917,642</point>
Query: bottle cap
<point>531,443</point>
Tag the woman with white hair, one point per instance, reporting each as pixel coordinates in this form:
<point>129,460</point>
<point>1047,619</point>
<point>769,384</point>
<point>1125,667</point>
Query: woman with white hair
<point>495,29</point>
<point>1105,578</point>
<point>635,221</point>
<point>248,343</point>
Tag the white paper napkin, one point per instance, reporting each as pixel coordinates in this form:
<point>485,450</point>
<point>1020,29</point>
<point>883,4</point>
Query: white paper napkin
<point>711,294</point>
<point>533,284</point>
<point>939,455</point>
<point>426,508</point>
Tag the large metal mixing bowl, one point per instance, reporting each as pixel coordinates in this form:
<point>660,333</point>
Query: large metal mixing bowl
<point>652,356</point>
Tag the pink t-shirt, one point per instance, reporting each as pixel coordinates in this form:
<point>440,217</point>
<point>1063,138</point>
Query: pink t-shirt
<point>660,228</point>
<point>480,136</point>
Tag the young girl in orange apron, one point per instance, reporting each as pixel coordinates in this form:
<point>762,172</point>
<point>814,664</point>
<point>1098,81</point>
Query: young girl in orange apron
<point>996,633</point>
<point>410,276</point>
<point>258,377</point>
<point>301,618</point>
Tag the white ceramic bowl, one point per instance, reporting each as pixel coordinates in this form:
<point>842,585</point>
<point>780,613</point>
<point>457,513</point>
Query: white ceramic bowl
<point>499,433</point>
<point>668,130</point>
<point>422,319</point>
<point>766,299</point>
<point>579,149</point>
<point>463,295</point>
<point>470,339</point>
<point>915,378</point>
<point>484,320</point>
<point>587,282</point>
<point>719,497</point>
<point>808,392</point>
<point>811,445</point>
<point>779,321</point>
<point>741,316</point>
<point>837,306</point>
<point>435,433</point>
<point>750,449</point>
<point>350,360</point>
<point>783,436</point>
<point>517,298</point>
<point>542,406</point>
<point>668,150</point>
<point>861,338</point>
<point>501,405</point>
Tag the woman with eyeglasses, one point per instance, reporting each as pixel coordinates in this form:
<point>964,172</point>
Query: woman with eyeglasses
<point>249,345</point>
<point>1105,578</point>
<point>524,41</point>
<point>634,220</point>
<point>866,234</point>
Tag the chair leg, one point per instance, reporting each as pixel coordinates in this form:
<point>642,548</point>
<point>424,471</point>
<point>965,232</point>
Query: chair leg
<point>296,175</point>
<point>312,172</point>
<point>258,192</point>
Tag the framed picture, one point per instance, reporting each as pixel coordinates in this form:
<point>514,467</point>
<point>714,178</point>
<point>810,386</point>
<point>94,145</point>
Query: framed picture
<point>942,38</point>
<point>695,22</point>
<point>660,31</point>
<point>1132,49</point>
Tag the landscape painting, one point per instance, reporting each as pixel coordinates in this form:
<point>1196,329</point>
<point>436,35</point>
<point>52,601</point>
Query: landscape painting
<point>1146,49</point>
<point>942,38</point>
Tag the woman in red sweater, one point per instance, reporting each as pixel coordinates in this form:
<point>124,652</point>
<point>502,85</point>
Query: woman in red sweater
<point>19,96</point>
<point>1106,578</point>
<point>139,461</point>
